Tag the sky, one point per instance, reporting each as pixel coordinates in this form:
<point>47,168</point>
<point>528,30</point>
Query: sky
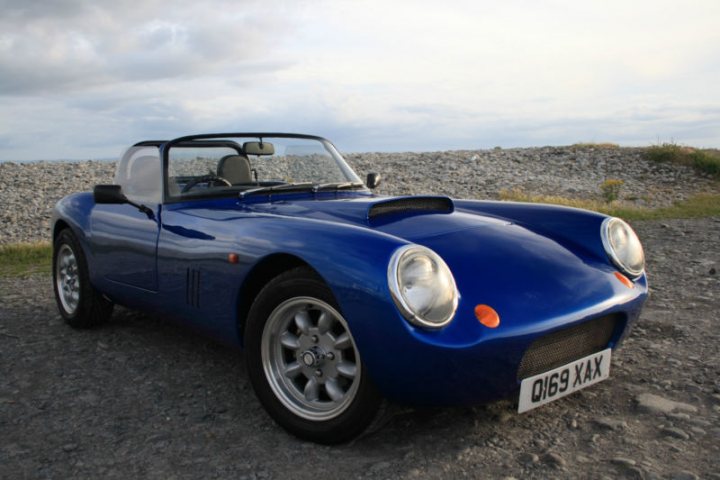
<point>85,79</point>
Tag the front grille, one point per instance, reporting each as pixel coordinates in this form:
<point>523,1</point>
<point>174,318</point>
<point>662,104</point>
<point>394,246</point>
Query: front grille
<point>411,205</point>
<point>564,346</point>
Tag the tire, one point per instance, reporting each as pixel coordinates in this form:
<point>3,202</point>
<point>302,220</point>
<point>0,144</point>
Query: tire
<point>78,302</point>
<point>303,363</point>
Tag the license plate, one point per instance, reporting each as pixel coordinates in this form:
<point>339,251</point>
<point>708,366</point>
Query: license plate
<point>548,386</point>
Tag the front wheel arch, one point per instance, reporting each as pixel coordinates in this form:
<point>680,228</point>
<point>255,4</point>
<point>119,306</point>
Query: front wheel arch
<point>260,275</point>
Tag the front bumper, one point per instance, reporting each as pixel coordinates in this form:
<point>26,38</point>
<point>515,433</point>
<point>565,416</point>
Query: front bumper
<point>472,364</point>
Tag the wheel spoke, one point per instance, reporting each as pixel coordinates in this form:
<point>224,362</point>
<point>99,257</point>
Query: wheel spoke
<point>302,320</point>
<point>343,341</point>
<point>333,389</point>
<point>311,390</point>
<point>324,322</point>
<point>288,340</point>
<point>347,369</point>
<point>292,370</point>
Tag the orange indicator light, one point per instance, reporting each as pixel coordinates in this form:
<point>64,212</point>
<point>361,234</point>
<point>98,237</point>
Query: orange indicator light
<point>624,280</point>
<point>487,316</point>
<point>233,258</point>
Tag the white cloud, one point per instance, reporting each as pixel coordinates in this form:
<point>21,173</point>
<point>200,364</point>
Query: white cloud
<point>373,75</point>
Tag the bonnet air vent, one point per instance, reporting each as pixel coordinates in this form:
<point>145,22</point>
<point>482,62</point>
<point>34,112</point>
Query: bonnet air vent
<point>410,205</point>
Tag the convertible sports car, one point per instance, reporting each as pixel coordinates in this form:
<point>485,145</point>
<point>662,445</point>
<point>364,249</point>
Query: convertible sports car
<point>341,298</point>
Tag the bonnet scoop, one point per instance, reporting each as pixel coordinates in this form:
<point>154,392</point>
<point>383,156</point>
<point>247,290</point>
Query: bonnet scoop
<point>410,206</point>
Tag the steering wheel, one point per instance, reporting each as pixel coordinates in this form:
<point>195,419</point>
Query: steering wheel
<point>205,179</point>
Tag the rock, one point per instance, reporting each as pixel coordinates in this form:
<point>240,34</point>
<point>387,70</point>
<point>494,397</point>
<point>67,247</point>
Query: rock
<point>554,459</point>
<point>684,475</point>
<point>527,458</point>
<point>675,432</point>
<point>656,404</point>
<point>380,466</point>
<point>610,424</point>
<point>623,462</point>
<point>70,447</point>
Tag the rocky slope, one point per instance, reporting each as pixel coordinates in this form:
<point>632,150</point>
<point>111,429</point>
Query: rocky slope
<point>29,190</point>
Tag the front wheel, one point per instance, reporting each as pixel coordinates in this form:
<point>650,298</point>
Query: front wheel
<point>303,362</point>
<point>78,302</point>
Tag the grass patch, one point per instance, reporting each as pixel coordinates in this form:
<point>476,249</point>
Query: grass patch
<point>702,205</point>
<point>704,160</point>
<point>22,259</point>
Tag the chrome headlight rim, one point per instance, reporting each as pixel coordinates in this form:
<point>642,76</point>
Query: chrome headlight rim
<point>396,292</point>
<point>610,250</point>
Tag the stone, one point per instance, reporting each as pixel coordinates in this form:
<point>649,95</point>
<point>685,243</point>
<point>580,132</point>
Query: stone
<point>527,458</point>
<point>684,475</point>
<point>656,404</point>
<point>675,433</point>
<point>554,459</point>
<point>610,423</point>
<point>623,462</point>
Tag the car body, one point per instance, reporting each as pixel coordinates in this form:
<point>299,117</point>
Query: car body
<point>433,301</point>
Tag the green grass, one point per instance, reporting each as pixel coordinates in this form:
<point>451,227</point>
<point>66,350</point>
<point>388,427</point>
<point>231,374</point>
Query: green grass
<point>22,259</point>
<point>702,205</point>
<point>704,160</point>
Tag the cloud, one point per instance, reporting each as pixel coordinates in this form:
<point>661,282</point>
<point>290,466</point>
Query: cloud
<point>71,46</point>
<point>89,77</point>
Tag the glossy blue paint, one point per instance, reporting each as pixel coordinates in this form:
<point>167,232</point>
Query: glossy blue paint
<point>541,267</point>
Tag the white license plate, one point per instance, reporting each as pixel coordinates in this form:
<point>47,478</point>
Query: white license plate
<point>559,382</point>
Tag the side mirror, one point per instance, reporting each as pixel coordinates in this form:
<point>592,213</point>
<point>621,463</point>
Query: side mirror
<point>373,180</point>
<point>109,194</point>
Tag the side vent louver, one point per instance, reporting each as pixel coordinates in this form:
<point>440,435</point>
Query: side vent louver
<point>192,287</point>
<point>411,205</point>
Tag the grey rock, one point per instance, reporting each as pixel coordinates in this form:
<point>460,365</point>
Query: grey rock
<point>675,433</point>
<point>606,423</point>
<point>656,404</point>
<point>380,466</point>
<point>623,462</point>
<point>684,475</point>
<point>554,459</point>
<point>527,458</point>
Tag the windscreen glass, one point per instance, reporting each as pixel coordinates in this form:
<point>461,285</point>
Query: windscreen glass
<point>232,165</point>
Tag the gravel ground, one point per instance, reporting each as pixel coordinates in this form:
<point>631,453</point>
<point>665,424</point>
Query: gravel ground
<point>28,191</point>
<point>140,397</point>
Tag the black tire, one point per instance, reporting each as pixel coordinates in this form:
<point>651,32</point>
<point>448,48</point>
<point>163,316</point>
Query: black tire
<point>360,403</point>
<point>91,308</point>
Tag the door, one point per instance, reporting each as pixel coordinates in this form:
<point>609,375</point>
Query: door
<point>124,239</point>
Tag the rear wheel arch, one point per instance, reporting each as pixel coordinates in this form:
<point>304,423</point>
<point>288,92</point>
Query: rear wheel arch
<point>59,226</point>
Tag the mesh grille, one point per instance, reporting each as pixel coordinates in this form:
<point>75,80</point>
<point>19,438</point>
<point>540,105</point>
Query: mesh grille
<point>564,346</point>
<point>415,204</point>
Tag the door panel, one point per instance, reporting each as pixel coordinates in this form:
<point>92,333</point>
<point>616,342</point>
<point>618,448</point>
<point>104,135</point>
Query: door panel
<point>124,244</point>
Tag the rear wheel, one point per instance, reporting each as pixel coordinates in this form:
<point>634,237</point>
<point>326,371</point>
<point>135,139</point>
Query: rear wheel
<point>303,361</point>
<point>78,302</point>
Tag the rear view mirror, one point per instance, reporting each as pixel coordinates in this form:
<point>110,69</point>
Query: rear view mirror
<point>109,194</point>
<point>258,148</point>
<point>373,180</point>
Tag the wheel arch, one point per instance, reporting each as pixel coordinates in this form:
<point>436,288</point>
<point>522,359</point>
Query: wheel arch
<point>259,276</point>
<point>59,226</point>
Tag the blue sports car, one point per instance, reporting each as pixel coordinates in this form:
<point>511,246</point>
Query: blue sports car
<point>341,298</point>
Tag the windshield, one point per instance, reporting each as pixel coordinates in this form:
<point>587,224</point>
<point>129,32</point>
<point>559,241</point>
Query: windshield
<point>252,164</point>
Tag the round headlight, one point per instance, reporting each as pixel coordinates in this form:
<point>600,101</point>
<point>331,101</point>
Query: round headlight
<point>422,286</point>
<point>623,246</point>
